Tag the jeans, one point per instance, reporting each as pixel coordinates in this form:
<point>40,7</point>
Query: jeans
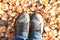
<point>24,36</point>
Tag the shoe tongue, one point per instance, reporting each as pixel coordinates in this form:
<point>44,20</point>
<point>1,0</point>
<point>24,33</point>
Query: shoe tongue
<point>36,17</point>
<point>24,17</point>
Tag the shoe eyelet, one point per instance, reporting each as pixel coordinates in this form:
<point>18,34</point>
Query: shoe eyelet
<point>38,29</point>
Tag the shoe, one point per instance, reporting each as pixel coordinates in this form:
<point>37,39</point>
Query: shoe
<point>36,28</point>
<point>37,22</point>
<point>22,26</point>
<point>22,23</point>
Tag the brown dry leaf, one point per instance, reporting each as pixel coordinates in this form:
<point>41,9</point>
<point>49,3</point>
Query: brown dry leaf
<point>53,19</point>
<point>9,12</point>
<point>10,7</point>
<point>13,14</point>
<point>33,8</point>
<point>53,26</point>
<point>0,6</point>
<point>2,29</point>
<point>26,9</point>
<point>46,24</point>
<point>53,1</point>
<point>45,1</point>
<point>47,29</point>
<point>58,37</point>
<point>58,11</point>
<point>13,1</point>
<point>5,7</point>
<point>13,8</point>
<point>51,34</point>
<point>19,9</point>
<point>5,16</point>
<point>55,32</point>
<point>22,3</point>
<point>44,15</point>
<point>58,27</point>
<point>1,12</point>
<point>45,36</point>
<point>5,1</point>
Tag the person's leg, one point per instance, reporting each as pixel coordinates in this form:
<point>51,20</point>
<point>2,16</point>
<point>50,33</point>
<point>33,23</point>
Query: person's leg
<point>21,36</point>
<point>22,27</point>
<point>36,27</point>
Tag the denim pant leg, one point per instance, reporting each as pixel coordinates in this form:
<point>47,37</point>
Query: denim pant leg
<point>35,36</point>
<point>21,36</point>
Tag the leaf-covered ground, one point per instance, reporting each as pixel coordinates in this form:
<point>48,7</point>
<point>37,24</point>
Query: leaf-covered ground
<point>49,9</point>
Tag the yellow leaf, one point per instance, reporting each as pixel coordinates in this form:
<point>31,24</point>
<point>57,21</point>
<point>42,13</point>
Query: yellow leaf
<point>1,11</point>
<point>45,1</point>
